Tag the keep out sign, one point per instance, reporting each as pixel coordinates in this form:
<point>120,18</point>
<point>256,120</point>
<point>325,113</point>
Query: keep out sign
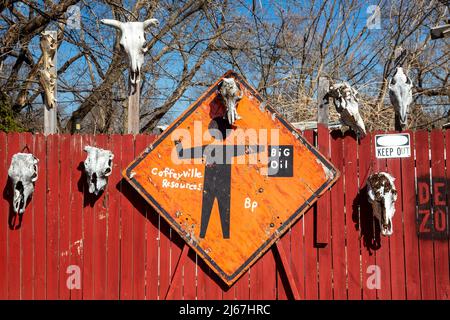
<point>432,220</point>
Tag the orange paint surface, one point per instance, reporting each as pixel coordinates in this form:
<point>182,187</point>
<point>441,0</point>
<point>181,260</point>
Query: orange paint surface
<point>275,202</point>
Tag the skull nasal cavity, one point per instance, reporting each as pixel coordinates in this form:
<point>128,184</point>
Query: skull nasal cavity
<point>94,179</point>
<point>19,186</point>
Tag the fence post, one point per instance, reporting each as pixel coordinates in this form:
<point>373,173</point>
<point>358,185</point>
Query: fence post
<point>322,105</point>
<point>133,109</point>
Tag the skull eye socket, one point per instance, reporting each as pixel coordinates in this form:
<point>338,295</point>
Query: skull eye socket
<point>107,170</point>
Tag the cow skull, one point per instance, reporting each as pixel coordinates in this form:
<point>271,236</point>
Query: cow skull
<point>400,94</point>
<point>382,195</point>
<point>132,41</point>
<point>98,167</point>
<point>23,173</point>
<point>231,94</point>
<point>345,99</point>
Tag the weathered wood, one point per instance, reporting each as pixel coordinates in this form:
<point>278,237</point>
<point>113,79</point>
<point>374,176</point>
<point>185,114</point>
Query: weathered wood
<point>323,105</point>
<point>175,281</point>
<point>50,107</point>
<point>323,204</point>
<point>34,265</point>
<point>288,270</point>
<point>133,109</point>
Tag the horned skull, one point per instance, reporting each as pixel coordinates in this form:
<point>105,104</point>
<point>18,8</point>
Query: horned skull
<point>132,41</point>
<point>345,99</point>
<point>98,167</point>
<point>400,94</point>
<point>231,94</point>
<point>23,173</point>
<point>382,195</point>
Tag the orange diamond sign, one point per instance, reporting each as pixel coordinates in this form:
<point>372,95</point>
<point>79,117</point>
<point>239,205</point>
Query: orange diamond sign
<point>230,183</point>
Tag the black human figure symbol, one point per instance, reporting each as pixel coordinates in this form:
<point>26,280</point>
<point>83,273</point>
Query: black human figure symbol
<point>217,178</point>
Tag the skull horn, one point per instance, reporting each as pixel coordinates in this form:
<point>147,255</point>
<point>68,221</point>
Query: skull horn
<point>151,22</point>
<point>113,23</point>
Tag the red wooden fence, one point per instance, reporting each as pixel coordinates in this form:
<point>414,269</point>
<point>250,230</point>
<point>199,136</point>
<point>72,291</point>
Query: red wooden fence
<point>125,251</point>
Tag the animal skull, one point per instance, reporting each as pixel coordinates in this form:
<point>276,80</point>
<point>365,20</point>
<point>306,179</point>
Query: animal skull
<point>345,99</point>
<point>382,195</point>
<point>23,173</point>
<point>98,166</point>
<point>231,94</point>
<point>400,94</point>
<point>132,41</point>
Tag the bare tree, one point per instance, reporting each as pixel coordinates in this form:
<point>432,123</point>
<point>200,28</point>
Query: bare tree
<point>282,49</point>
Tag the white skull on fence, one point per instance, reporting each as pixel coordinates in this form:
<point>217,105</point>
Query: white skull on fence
<point>98,167</point>
<point>23,173</point>
<point>382,195</point>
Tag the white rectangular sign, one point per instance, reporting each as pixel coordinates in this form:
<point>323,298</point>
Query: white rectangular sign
<point>392,145</point>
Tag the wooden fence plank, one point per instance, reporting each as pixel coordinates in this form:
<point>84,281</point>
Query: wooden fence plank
<point>397,252</point>
<point>439,193</point>
<point>263,278</point>
<point>164,257</point>
<point>88,232</point>
<point>189,278</point>
<point>352,223</point>
<point>282,281</point>
<point>383,252</point>
<point>323,225</point>
<point>27,236</point>
<point>113,221</point>
<point>78,184</point>
<point>100,214</point>
<point>338,221</point>
<point>269,273</point>
<point>14,287</point>
<point>257,279</point>
<point>52,216</point>
<point>126,252</point>
<point>311,276</point>
<point>323,211</point>
<point>410,233</point>
<point>242,287</point>
<point>4,210</point>
<point>176,245</point>
<point>139,242</point>
<point>447,174</point>
<point>370,240</point>
<point>65,185</point>
<point>152,258</point>
<point>298,256</point>
<point>40,219</point>
<point>427,277</point>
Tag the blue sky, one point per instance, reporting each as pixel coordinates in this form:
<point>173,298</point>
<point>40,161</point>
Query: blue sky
<point>88,17</point>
